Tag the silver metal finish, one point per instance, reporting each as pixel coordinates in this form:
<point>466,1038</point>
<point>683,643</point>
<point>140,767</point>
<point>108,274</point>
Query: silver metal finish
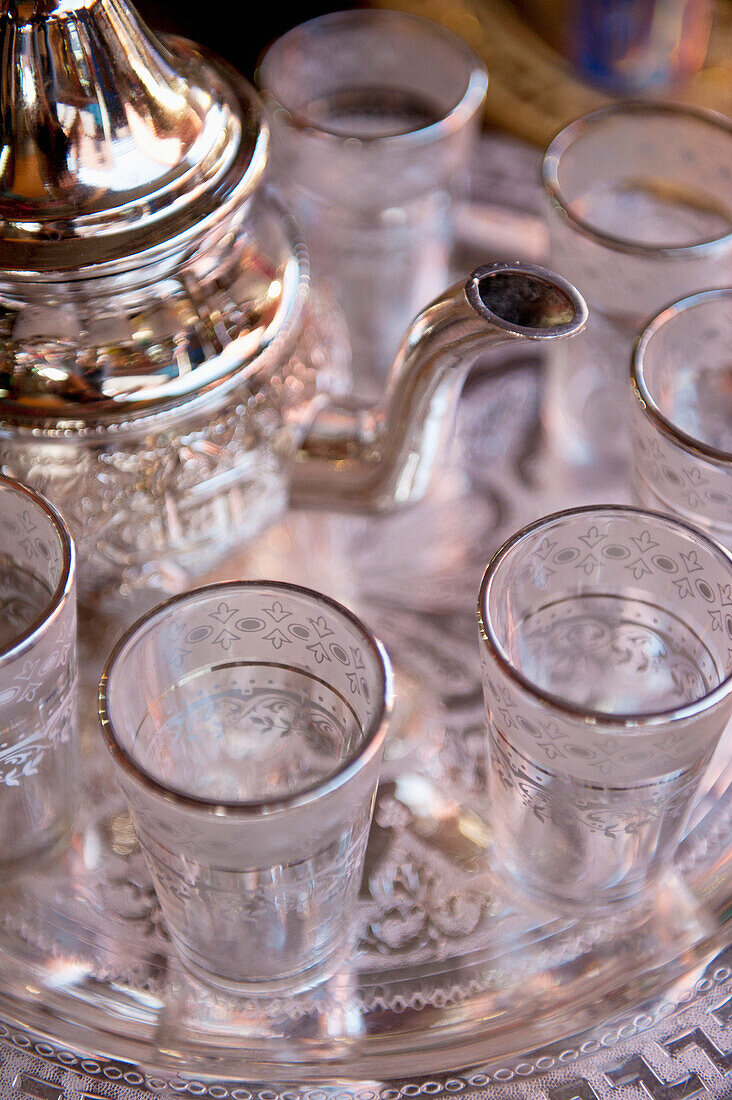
<point>376,459</point>
<point>133,275</point>
<point>451,992</point>
<point>682,1052</point>
<point>451,986</point>
<point>113,142</point>
<point>162,352</point>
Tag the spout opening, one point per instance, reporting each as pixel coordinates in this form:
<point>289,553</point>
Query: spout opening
<point>527,300</point>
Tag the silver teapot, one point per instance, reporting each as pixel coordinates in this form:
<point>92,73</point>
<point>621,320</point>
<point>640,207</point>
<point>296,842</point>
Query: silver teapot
<point>169,377</point>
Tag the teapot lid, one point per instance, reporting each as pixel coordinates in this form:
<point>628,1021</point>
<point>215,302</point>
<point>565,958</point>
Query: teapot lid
<point>137,268</point>
<point>112,141</point>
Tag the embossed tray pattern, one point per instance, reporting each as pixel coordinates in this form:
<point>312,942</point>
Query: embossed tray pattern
<point>454,985</point>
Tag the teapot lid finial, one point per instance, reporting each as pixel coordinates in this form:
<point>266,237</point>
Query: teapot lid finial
<point>135,275</point>
<point>112,140</point>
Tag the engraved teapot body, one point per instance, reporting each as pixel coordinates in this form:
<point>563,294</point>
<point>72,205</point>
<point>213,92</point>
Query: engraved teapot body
<point>168,375</point>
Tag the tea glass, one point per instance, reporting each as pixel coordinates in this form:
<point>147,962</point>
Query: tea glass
<point>681,423</point>
<point>247,720</point>
<point>639,214</point>
<point>373,117</point>
<point>607,674</point>
<point>38,676</point>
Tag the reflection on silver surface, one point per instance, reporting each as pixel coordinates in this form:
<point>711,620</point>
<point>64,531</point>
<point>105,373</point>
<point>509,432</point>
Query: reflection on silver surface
<point>115,142</point>
<point>371,460</point>
<point>166,361</point>
<point>448,970</point>
<point>453,989</point>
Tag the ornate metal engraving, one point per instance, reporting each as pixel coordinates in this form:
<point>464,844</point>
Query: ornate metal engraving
<point>592,1014</point>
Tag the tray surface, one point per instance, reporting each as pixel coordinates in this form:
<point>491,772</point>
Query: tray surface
<point>449,970</point>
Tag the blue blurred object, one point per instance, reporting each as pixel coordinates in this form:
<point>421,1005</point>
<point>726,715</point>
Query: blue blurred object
<point>632,45</point>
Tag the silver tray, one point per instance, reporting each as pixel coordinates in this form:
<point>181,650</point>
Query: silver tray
<point>454,986</point>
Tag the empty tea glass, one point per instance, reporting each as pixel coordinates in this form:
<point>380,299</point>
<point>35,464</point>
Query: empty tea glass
<point>607,673</point>
<point>640,213</point>
<point>373,116</point>
<point>38,766</point>
<point>247,720</point>
<point>681,423</point>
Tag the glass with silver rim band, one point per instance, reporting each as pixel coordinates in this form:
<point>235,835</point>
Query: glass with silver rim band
<point>247,721</point>
<point>607,674</point>
<point>38,676</point>
<point>681,420</point>
<point>639,212</point>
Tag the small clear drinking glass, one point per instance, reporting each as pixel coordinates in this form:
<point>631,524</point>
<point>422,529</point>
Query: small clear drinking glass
<point>681,421</point>
<point>373,115</point>
<point>38,722</point>
<point>639,214</point>
<point>247,721</point>
<point>607,674</point>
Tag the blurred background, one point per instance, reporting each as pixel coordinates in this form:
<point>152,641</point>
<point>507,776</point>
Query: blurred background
<point>549,60</point>
<point>235,31</point>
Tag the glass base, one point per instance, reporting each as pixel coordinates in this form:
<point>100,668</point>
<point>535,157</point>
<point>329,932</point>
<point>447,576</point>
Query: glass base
<point>446,968</point>
<point>43,850</point>
<point>624,898</point>
<point>292,984</point>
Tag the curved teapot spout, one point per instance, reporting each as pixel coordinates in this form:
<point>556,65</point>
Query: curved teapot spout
<point>362,459</point>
